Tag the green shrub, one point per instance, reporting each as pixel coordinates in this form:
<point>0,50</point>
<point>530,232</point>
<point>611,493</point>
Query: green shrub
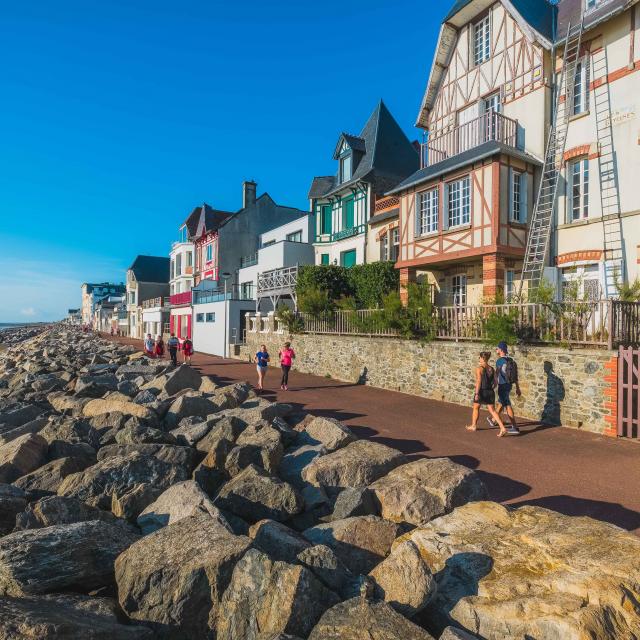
<point>291,319</point>
<point>329,278</point>
<point>316,302</point>
<point>501,326</point>
<point>371,282</point>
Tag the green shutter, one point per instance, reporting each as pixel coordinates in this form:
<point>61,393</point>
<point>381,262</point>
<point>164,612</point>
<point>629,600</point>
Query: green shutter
<point>347,214</point>
<point>348,258</point>
<point>324,258</point>
<point>326,218</point>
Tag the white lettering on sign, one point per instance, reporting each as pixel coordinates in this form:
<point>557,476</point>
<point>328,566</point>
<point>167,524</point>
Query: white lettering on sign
<point>622,115</point>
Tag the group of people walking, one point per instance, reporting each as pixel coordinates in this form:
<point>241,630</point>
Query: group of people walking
<point>504,377</point>
<point>286,356</point>
<point>155,348</point>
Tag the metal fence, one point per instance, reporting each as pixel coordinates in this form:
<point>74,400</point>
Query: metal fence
<point>603,323</point>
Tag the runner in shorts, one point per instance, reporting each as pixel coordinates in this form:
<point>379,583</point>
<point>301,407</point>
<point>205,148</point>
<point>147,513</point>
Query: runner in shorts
<point>484,393</point>
<point>262,359</point>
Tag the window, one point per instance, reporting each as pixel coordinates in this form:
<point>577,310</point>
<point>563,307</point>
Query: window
<point>325,219</point>
<point>209,252</point>
<point>579,189</point>
<point>178,265</point>
<point>246,290</point>
<point>395,244</point>
<point>189,259</point>
<point>581,282</point>
<point>296,236</point>
<point>199,317</point>
<point>581,87</point>
<point>347,213</point>
<point>345,168</point>
<point>384,247</point>
<point>268,243</point>
<point>172,270</point>
<point>459,290</point>
<point>182,234</point>
<point>348,258</point>
<point>324,258</point>
<point>482,40</point>
<point>518,196</point>
<point>509,278</point>
<point>490,105</point>
<point>590,5</point>
<point>459,202</point>
<point>211,317</point>
<point>132,297</point>
<point>427,212</point>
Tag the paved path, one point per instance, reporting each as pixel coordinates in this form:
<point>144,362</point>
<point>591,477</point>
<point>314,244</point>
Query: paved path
<point>571,471</point>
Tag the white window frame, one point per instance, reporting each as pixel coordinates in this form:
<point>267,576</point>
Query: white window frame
<point>580,96</point>
<point>428,206</point>
<point>582,273</point>
<point>384,247</point>
<point>578,183</point>
<point>458,203</point>
<point>482,40</point>
<point>509,284</point>
<point>295,236</point>
<point>208,253</point>
<point>344,174</point>
<point>459,290</point>
<point>210,317</point>
<point>518,196</point>
<point>394,243</point>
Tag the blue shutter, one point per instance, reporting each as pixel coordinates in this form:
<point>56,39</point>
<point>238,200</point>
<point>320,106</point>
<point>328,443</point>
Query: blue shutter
<point>445,207</point>
<point>524,197</point>
<point>417,207</point>
<point>510,207</point>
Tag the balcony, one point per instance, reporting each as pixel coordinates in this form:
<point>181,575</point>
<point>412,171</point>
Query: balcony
<point>249,261</point>
<point>489,127</point>
<point>233,292</point>
<point>180,299</point>
<point>341,234</point>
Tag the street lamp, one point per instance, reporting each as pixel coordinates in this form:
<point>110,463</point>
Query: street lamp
<point>225,275</point>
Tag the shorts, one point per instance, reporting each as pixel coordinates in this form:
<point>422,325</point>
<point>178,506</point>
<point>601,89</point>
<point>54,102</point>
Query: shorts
<point>486,396</point>
<point>504,391</point>
<point>260,369</point>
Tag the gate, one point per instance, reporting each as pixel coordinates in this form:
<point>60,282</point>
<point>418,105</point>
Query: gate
<point>629,392</point>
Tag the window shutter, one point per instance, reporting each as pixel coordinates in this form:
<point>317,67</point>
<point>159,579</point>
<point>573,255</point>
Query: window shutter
<point>587,80</point>
<point>417,207</point>
<point>567,184</point>
<point>445,207</point>
<point>524,197</point>
<point>510,195</point>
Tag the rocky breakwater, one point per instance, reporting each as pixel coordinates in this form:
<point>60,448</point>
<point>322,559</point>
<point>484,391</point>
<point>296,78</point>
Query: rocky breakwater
<point>141,501</point>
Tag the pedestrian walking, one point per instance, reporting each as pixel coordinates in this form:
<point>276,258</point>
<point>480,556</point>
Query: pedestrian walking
<point>262,359</point>
<point>159,350</point>
<point>172,345</point>
<point>149,346</point>
<point>286,355</point>
<point>187,350</point>
<point>506,379</point>
<point>484,393</point>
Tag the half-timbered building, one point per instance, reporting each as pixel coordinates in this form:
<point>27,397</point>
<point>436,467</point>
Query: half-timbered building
<point>463,215</point>
<point>368,164</point>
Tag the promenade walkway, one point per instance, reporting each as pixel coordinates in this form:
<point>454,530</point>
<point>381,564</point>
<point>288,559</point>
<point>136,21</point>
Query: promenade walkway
<point>571,471</point>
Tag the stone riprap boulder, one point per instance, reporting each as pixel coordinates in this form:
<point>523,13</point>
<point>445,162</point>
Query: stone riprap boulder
<point>359,619</point>
<point>183,377</point>
<point>100,406</point>
<point>255,495</point>
<point>360,542</point>
<point>65,617</point>
<point>142,434</point>
<point>170,454</point>
<point>354,502</point>
<point>187,405</point>
<point>21,456</point>
<point>12,502</point>
<point>48,478</point>
<point>531,573</point>
<point>20,414</point>
<point>76,556</point>
<point>419,491</point>
<point>174,578</point>
<point>296,459</point>
<point>34,426</point>
<point>277,540</point>
<point>356,465</point>
<point>329,432</point>
<point>267,596</point>
<point>331,571</point>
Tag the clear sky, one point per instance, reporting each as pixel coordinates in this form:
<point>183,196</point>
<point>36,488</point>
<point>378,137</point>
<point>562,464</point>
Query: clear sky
<point>117,117</point>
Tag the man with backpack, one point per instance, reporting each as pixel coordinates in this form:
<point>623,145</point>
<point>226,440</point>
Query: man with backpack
<point>172,345</point>
<point>506,377</point>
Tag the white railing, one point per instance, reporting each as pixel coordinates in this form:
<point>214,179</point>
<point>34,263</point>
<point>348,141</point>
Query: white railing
<point>278,280</point>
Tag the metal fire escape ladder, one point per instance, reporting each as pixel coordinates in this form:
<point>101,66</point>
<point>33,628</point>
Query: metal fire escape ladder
<point>543,212</point>
<point>608,174</point>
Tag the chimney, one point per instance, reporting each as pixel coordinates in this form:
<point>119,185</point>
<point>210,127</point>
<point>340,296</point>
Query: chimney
<point>249,188</point>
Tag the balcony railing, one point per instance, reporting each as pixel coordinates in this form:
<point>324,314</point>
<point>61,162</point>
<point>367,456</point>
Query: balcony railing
<point>341,235</point>
<point>152,303</point>
<point>489,127</point>
<point>233,292</point>
<point>277,280</point>
<point>249,261</point>
<point>180,299</point>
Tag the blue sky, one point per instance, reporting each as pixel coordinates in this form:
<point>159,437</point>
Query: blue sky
<point>118,117</point>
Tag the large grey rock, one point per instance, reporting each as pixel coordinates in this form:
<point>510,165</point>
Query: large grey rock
<point>104,383</point>
<point>419,491</point>
<point>34,426</point>
<point>65,617</point>
<point>267,596</point>
<point>356,465</point>
<point>78,556</point>
<point>71,430</point>
<point>359,619</point>
<point>117,405</point>
<point>451,633</point>
<point>295,460</point>
<point>120,476</point>
<point>210,474</point>
<point>171,454</point>
<point>360,542</point>
<point>330,570</point>
<point>277,540</point>
<point>232,396</point>
<point>48,478</point>
<point>22,455</point>
<point>142,434</point>
<point>191,430</point>
<point>12,502</point>
<point>404,580</point>
<point>53,510</point>
<point>328,432</point>
<point>221,428</point>
<point>354,502</point>
<point>62,402</point>
<point>255,495</point>
<point>184,377</point>
<point>173,579</point>
<point>179,501</point>
<point>80,450</point>
<point>20,414</point>
<point>258,444</point>
<point>142,369</point>
<point>187,405</point>
<point>531,573</point>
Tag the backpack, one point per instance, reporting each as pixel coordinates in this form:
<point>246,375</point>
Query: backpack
<point>511,371</point>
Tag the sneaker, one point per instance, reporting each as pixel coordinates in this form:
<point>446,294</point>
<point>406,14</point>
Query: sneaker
<point>492,423</point>
<point>513,431</point>
<point>286,388</point>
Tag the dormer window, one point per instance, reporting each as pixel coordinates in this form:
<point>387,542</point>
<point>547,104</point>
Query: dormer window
<point>345,168</point>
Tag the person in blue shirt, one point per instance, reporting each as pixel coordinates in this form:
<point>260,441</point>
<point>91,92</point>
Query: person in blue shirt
<point>262,359</point>
<point>506,377</point>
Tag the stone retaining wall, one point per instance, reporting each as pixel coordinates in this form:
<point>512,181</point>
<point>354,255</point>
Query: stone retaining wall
<point>559,386</point>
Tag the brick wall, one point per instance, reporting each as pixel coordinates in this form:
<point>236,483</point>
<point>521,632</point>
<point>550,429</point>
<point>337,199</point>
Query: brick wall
<point>575,388</point>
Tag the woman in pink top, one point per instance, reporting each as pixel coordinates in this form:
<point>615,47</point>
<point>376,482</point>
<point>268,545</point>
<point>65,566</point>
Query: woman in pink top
<point>286,354</point>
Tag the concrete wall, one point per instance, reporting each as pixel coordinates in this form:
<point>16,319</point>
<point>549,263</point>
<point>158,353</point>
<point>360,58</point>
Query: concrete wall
<point>559,386</point>
<point>209,337</point>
